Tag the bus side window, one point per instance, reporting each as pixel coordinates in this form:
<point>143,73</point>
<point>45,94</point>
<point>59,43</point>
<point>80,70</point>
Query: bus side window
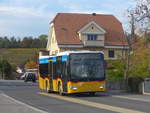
<point>64,69</point>
<point>43,69</point>
<point>54,70</point>
<point>50,69</point>
<point>58,68</point>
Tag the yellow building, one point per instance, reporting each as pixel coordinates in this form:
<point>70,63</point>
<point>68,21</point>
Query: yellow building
<point>98,32</point>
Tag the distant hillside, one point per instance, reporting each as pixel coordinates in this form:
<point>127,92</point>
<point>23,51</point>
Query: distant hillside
<point>19,56</point>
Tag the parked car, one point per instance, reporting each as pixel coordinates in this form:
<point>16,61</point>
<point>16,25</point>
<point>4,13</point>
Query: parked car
<point>22,76</point>
<point>29,76</point>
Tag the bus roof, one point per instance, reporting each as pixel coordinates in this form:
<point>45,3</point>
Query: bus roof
<point>69,52</point>
<point>42,57</point>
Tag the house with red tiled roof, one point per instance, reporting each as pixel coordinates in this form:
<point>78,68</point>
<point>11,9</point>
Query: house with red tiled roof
<point>96,32</point>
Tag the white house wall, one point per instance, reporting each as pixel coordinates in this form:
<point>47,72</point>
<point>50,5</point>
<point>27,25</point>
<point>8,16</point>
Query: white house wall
<point>52,46</point>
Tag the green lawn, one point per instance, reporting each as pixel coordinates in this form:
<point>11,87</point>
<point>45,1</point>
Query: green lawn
<point>19,55</point>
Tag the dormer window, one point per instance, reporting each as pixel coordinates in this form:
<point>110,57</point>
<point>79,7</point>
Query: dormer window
<point>92,37</point>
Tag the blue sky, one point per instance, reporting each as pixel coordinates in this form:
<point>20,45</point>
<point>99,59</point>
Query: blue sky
<point>21,18</point>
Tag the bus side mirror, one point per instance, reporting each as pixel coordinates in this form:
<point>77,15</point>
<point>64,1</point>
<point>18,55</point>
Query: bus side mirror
<point>105,64</point>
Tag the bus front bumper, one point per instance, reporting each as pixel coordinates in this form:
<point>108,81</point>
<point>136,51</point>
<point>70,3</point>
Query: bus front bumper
<point>88,86</point>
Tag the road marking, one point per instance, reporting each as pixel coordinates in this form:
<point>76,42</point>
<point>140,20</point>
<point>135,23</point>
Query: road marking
<point>92,104</point>
<point>21,103</point>
<point>132,98</point>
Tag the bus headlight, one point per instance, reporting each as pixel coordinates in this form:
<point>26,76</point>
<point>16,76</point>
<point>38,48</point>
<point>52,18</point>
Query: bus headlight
<point>102,86</point>
<point>73,88</point>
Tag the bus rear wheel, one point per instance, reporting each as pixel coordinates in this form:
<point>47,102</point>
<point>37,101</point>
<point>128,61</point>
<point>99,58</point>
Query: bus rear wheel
<point>47,88</point>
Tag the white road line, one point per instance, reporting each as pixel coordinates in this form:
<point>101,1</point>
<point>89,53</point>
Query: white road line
<point>21,103</point>
<point>132,98</point>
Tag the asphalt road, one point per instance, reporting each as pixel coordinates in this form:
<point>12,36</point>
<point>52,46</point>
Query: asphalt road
<point>31,95</point>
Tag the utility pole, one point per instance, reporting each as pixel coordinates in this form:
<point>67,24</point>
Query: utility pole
<point>2,68</point>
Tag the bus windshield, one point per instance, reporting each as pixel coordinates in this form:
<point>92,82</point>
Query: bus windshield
<point>85,66</point>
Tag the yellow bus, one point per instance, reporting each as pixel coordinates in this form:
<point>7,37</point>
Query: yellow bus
<point>72,72</point>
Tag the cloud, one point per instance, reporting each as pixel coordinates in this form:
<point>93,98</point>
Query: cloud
<point>24,21</point>
<point>32,17</point>
<point>18,11</point>
<point>25,11</point>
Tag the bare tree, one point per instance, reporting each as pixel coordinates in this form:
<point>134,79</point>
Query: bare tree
<point>132,25</point>
<point>142,13</point>
<point>131,39</point>
<point>139,15</point>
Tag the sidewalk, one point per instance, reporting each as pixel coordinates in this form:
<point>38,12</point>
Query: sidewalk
<point>130,96</point>
<point>10,105</point>
<point>17,83</point>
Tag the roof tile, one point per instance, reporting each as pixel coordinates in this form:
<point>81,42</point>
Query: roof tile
<point>68,24</point>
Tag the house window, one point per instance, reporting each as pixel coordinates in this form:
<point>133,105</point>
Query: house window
<point>56,51</point>
<point>111,53</point>
<point>91,37</point>
<point>53,52</point>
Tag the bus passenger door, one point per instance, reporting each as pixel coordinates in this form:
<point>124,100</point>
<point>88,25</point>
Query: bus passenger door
<point>51,75</point>
<point>64,76</point>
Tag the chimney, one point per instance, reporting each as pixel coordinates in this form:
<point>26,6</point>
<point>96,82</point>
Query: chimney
<point>93,14</point>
